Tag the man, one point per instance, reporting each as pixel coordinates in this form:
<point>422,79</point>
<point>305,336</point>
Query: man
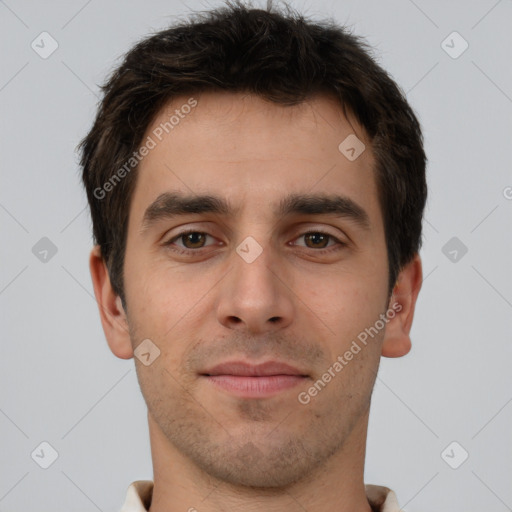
<point>256,184</point>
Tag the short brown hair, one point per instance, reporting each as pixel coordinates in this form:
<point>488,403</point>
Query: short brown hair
<point>280,56</point>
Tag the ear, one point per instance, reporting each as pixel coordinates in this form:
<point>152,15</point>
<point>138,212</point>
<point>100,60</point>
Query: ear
<point>397,342</point>
<point>112,314</point>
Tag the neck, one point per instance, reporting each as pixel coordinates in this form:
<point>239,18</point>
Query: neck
<point>337,486</point>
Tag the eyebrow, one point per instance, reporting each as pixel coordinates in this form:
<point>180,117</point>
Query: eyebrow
<point>170,205</point>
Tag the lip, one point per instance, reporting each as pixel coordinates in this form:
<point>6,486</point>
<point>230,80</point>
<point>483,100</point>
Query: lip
<point>254,381</point>
<point>243,369</point>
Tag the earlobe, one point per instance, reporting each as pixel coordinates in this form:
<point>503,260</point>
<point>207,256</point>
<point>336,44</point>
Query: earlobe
<point>112,314</point>
<point>397,341</point>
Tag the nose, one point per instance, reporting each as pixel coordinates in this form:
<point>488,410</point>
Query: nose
<point>255,295</point>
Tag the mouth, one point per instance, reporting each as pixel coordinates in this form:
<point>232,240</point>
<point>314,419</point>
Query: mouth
<point>254,381</point>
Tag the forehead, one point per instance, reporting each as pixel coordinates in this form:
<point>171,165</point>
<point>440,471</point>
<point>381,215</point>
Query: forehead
<point>254,152</point>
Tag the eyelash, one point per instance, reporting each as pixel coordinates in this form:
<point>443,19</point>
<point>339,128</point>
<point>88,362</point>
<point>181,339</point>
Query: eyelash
<point>169,243</point>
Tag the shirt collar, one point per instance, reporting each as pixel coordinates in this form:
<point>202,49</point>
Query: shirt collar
<point>138,497</point>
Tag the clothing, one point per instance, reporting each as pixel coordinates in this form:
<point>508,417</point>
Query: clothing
<point>138,497</point>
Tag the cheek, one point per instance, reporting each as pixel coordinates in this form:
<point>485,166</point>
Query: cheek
<point>343,306</point>
<point>341,296</point>
<point>166,305</point>
<point>148,284</point>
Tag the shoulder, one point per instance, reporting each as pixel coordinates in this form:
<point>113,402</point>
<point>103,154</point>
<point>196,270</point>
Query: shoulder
<point>138,496</point>
<point>382,499</point>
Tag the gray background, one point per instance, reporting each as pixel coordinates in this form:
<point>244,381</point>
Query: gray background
<point>62,385</point>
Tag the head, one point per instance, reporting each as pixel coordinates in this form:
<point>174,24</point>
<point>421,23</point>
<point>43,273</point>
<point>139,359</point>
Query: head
<point>297,166</point>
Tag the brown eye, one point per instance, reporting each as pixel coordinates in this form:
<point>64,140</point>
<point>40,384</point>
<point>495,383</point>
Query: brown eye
<point>188,241</point>
<point>193,240</point>
<point>316,240</point>
<point>321,242</point>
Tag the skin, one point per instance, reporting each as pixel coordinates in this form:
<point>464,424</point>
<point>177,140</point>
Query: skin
<point>212,450</point>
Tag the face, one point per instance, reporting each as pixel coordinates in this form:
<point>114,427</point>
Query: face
<point>287,264</point>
